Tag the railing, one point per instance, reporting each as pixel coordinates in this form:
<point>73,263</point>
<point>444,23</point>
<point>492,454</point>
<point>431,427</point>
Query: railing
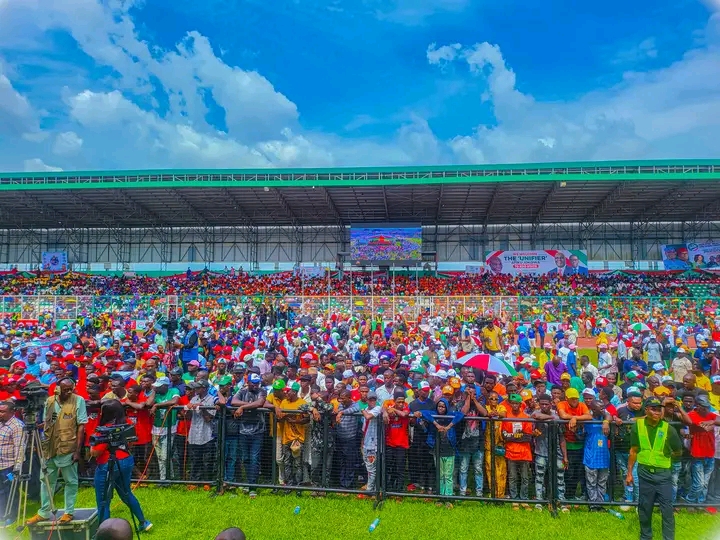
<point>521,308</point>
<point>327,463</point>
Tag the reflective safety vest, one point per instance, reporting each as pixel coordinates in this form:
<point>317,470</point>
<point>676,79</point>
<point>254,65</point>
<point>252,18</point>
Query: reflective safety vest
<point>652,455</point>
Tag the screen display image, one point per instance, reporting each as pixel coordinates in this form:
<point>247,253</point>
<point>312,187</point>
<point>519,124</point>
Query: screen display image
<point>392,244</point>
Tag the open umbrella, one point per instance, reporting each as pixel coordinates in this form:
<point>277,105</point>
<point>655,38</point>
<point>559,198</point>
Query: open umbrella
<point>488,362</point>
<point>639,327</point>
<point>603,322</point>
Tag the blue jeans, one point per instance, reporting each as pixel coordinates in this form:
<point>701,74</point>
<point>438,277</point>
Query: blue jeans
<point>676,469</point>
<point>621,460</point>
<point>700,471</point>
<point>250,447</point>
<point>232,453</point>
<point>121,483</point>
<point>477,459</point>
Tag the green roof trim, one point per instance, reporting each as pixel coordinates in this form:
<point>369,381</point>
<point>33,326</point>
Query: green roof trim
<point>614,171</point>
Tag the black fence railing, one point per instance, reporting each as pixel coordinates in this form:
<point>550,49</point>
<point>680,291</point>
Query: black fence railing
<point>521,461</point>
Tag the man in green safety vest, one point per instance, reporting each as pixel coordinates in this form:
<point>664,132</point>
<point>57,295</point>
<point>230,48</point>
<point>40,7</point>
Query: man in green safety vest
<point>652,443</point>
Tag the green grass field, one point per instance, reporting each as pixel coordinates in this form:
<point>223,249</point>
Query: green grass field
<point>181,515</point>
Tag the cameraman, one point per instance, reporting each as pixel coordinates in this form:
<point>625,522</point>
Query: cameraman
<point>112,413</point>
<point>64,432</point>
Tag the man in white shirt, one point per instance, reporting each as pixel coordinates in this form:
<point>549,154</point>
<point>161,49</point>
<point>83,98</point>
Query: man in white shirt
<point>680,366</point>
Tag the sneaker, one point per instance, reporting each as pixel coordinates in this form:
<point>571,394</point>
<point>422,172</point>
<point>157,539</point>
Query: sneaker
<point>245,491</point>
<point>448,505</point>
<point>515,506</point>
<point>146,526</point>
<point>525,506</point>
<point>37,518</point>
<point>538,507</point>
<point>252,494</point>
<point>565,509</point>
<point>462,492</point>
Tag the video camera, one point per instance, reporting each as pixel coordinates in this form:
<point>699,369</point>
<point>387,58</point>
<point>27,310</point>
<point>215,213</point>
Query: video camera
<point>33,397</point>
<point>115,436</point>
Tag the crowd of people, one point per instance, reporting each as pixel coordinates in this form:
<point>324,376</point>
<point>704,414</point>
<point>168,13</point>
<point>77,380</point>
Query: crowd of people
<point>319,401</point>
<point>241,283</point>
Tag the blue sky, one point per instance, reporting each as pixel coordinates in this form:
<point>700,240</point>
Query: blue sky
<point>113,84</point>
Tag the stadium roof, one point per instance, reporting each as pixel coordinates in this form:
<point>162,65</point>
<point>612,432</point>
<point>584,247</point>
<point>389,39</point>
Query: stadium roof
<point>633,191</point>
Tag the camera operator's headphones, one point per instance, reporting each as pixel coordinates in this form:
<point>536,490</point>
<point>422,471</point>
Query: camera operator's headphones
<point>66,378</point>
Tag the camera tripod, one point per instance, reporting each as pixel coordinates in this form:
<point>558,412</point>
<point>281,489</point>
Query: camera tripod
<point>19,488</point>
<point>113,465</point>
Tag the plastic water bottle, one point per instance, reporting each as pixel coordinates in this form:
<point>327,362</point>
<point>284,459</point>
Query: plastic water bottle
<point>10,477</point>
<point>374,524</point>
<point>630,490</point>
<point>297,510</point>
<point>615,513</point>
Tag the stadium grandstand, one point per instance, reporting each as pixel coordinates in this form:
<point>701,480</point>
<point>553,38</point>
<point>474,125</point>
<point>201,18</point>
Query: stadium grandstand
<point>620,213</point>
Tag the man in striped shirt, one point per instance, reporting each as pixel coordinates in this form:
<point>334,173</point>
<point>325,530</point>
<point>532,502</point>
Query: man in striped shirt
<point>11,434</point>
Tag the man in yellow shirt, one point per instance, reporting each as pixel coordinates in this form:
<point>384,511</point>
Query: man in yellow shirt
<point>492,338</point>
<point>701,380</point>
<point>714,394</point>
<point>292,428</point>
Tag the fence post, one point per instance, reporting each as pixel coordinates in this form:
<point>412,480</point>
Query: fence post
<point>326,463</point>
<point>493,442</point>
<point>168,443</point>
<point>274,479</point>
<point>380,487</point>
<point>221,448</point>
<point>553,433</point>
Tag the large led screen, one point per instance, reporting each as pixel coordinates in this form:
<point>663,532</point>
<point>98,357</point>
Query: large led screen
<point>386,244</point>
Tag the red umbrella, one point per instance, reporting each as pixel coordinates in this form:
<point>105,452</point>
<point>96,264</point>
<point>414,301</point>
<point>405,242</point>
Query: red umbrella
<point>487,362</point>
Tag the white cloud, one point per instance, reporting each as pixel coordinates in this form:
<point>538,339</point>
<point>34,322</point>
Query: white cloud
<point>442,55</point>
<point>67,143</point>
<point>412,12</point>
<point>672,111</point>
<point>37,165</point>
<point>646,49</point>
<point>668,112</point>
<point>17,117</point>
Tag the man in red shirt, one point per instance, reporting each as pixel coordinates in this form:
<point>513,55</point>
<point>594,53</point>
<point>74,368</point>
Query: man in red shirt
<point>138,414</point>
<point>397,439</point>
<point>702,448</point>
<point>517,436</point>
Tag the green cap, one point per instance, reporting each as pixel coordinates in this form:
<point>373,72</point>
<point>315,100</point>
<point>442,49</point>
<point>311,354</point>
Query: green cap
<point>225,379</point>
<point>653,402</point>
<point>295,387</point>
<point>278,385</point>
<point>515,398</point>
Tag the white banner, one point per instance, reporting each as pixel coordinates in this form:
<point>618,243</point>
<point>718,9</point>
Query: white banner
<point>551,262</point>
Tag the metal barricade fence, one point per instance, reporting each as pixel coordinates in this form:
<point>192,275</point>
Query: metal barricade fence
<point>213,448</point>
<point>520,308</point>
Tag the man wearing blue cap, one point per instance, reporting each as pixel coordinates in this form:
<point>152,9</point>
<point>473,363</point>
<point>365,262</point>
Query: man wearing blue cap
<point>653,442</point>
<point>251,426</point>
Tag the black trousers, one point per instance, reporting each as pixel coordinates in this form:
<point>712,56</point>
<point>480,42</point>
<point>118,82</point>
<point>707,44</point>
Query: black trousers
<point>395,468</point>
<point>421,464</point>
<point>202,461</point>
<point>649,493</point>
<point>575,474</point>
